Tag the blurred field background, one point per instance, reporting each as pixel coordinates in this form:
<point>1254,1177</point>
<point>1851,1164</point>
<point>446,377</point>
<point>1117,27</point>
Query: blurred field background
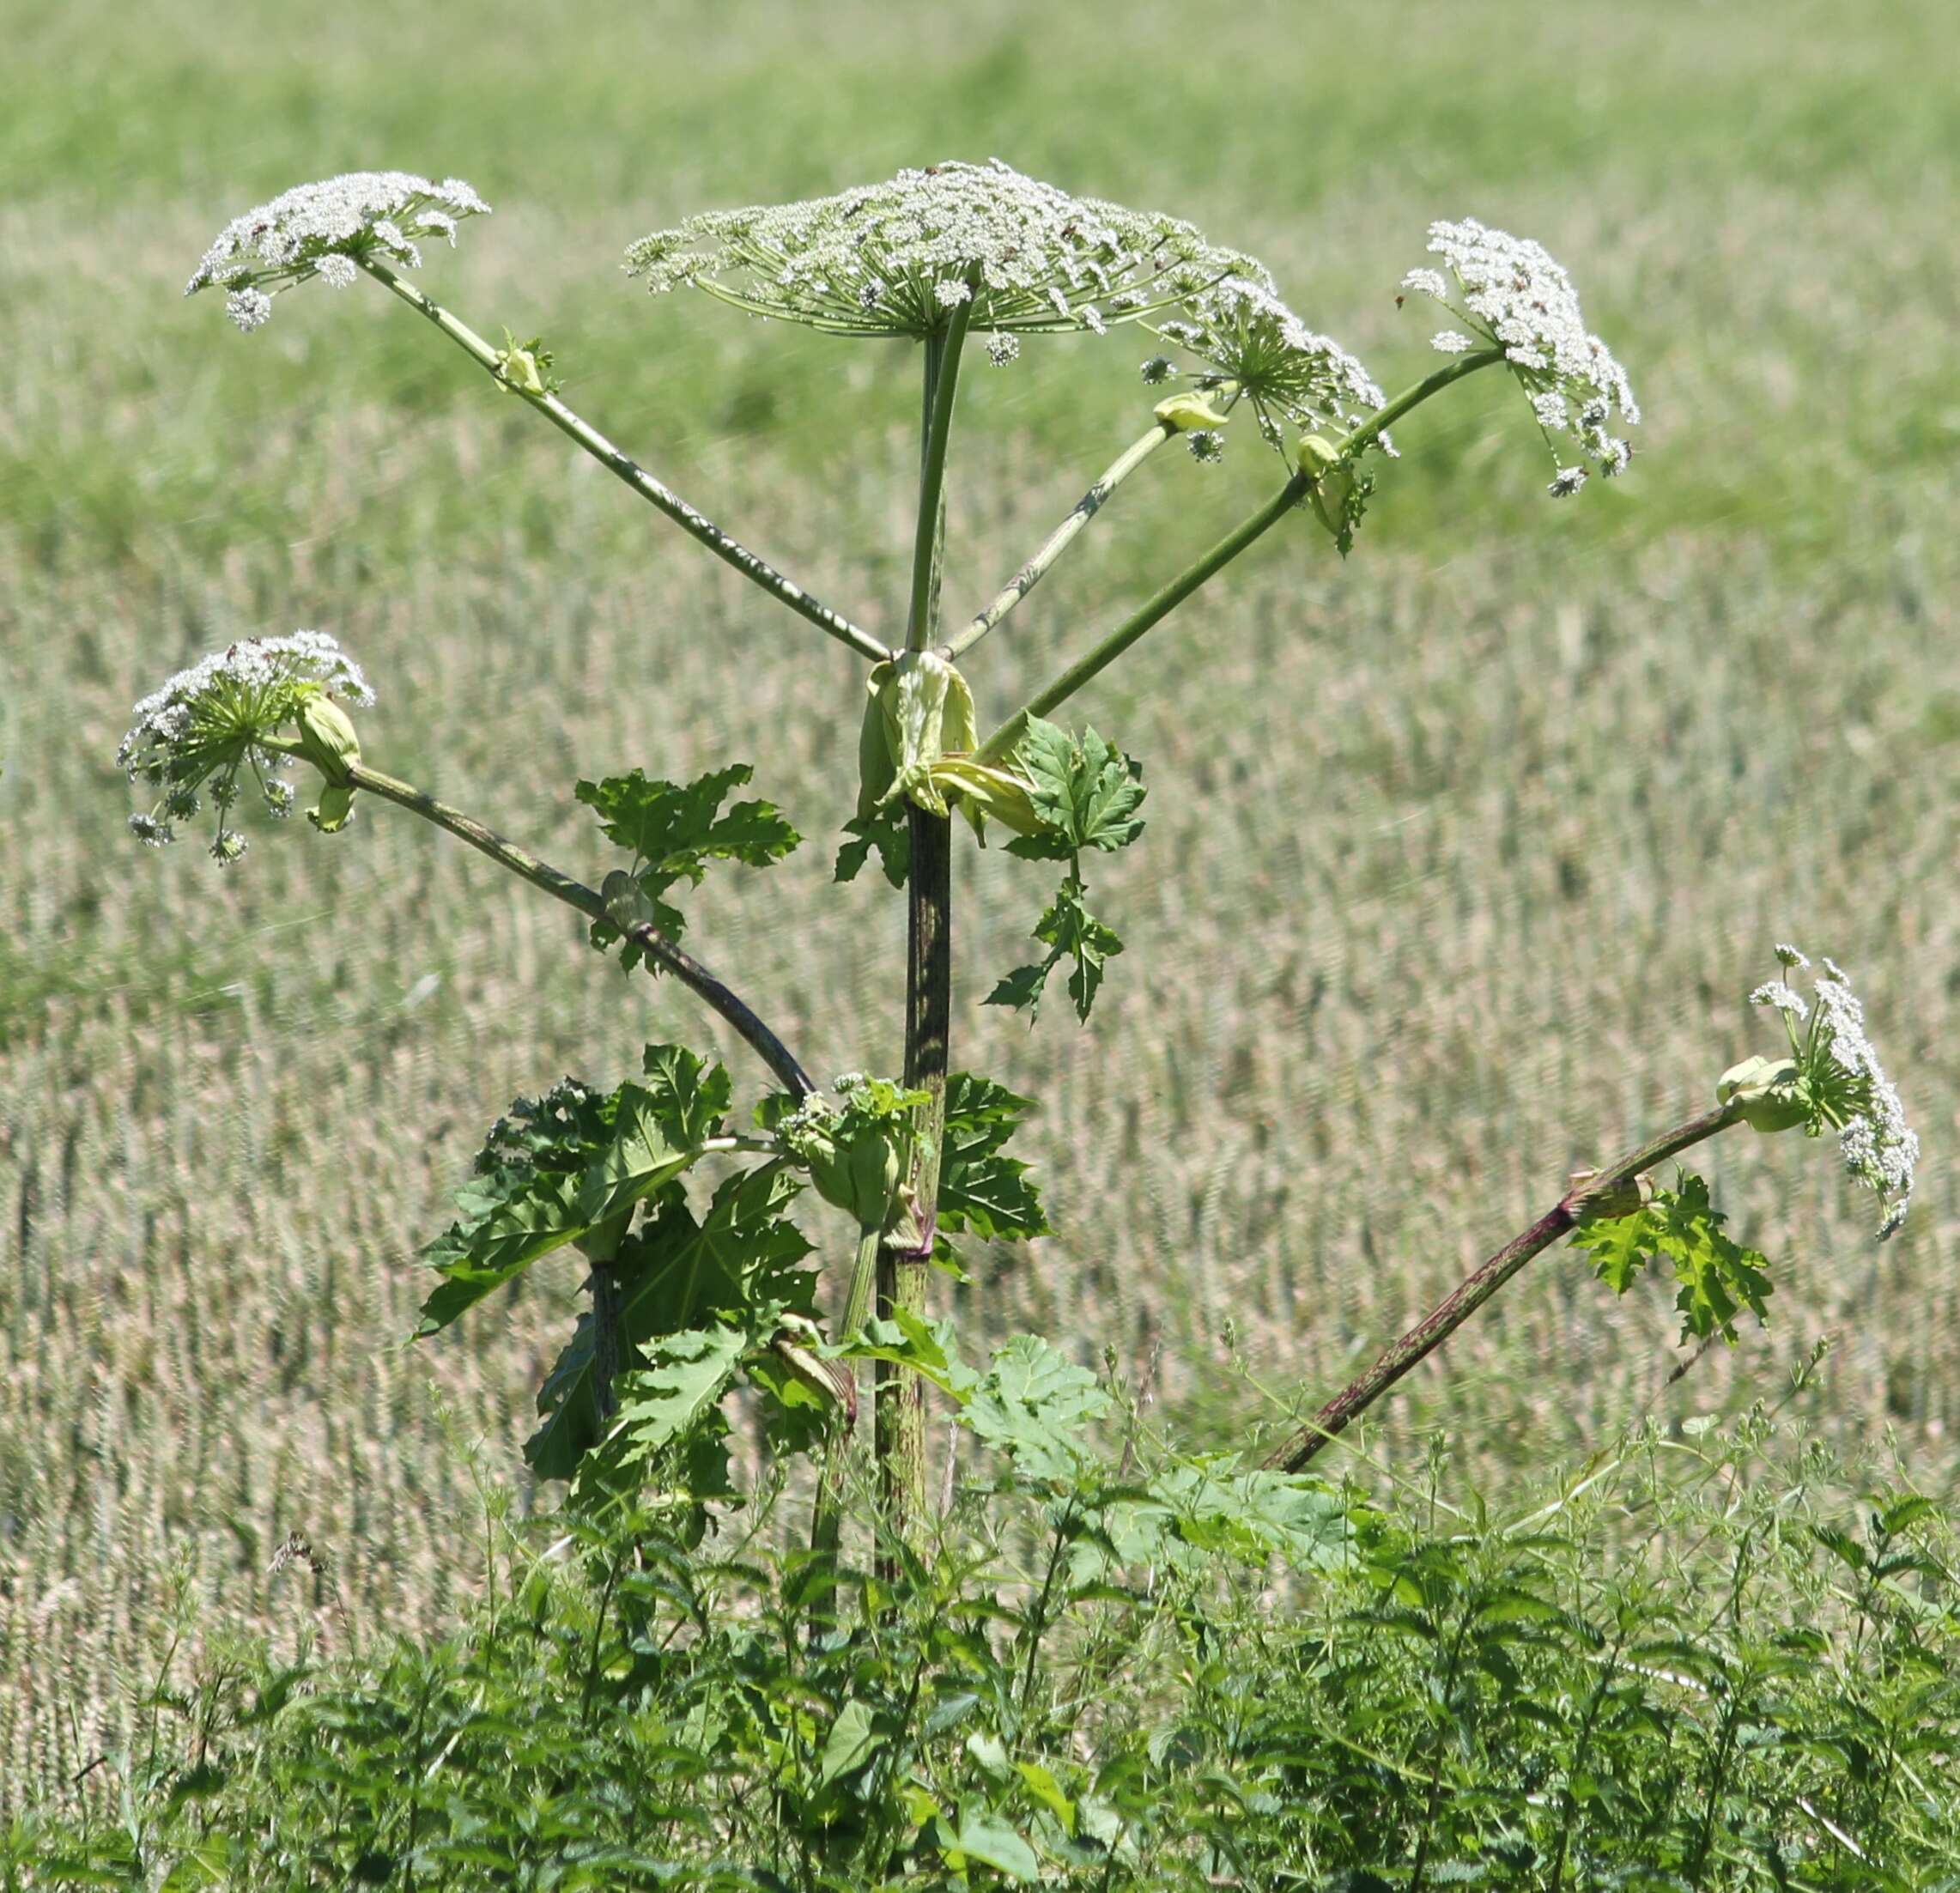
<point>1462,855</point>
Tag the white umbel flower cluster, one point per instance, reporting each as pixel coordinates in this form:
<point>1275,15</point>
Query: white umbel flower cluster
<point>893,258</point>
<point>319,229</point>
<point>1253,344</point>
<point>208,726</point>
<point>1514,297</point>
<point>1843,1084</point>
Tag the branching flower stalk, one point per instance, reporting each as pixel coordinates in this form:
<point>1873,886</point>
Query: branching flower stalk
<point>694,1295</point>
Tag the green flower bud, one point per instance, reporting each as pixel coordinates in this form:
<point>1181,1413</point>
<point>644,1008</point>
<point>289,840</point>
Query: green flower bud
<point>1768,1095</point>
<point>328,741</point>
<point>1183,412</point>
<point>1332,483</point>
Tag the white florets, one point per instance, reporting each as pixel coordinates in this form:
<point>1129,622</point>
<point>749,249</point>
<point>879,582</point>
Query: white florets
<point>1846,1085</point>
<point>1516,299</point>
<point>1779,997</point>
<point>248,308</point>
<point>320,229</point>
<point>1250,339</point>
<point>210,723</point>
<point>1001,350</point>
<point>890,258</point>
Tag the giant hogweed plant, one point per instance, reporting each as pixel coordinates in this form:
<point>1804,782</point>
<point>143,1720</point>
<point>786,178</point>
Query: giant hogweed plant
<point>674,1201</point>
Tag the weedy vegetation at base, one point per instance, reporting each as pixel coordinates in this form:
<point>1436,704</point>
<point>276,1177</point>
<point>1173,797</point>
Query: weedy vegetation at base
<point>1703,1662</point>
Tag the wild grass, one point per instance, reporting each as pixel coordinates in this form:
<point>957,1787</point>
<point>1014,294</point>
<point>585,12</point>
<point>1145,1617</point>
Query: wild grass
<point>1514,799</point>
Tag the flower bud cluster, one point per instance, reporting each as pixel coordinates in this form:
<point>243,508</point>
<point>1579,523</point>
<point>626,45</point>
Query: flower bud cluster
<point>1514,297</point>
<point>210,725</point>
<point>893,259</point>
<point>1843,1084</point>
<point>319,229</point>
<point>1254,346</point>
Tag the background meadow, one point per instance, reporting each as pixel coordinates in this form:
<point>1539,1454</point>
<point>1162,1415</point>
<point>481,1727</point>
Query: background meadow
<point>1462,855</point>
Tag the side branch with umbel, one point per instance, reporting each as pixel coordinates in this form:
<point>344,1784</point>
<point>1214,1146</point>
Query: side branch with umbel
<point>658,949</point>
<point>1592,1195</point>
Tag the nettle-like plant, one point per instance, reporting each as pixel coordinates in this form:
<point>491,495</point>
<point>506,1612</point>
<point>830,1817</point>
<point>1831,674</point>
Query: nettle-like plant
<point>697,1289</point>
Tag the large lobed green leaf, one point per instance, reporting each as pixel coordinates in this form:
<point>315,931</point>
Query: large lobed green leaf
<point>674,830</point>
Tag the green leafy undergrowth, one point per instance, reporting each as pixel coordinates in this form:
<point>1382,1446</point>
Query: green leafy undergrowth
<point>1705,1662</point>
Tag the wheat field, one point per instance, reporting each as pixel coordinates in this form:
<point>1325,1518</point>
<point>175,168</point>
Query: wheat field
<point>1462,855</point>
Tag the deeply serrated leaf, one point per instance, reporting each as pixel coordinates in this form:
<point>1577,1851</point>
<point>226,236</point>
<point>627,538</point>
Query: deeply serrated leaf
<point>674,830</point>
<point>1035,1405</point>
<point>659,1132</point>
<point>685,1374</point>
<point>981,1190</point>
<point>739,1264</point>
<point>510,1218</point>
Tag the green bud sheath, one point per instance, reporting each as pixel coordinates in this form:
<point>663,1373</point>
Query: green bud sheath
<point>1332,481</point>
<point>877,768</point>
<point>327,740</point>
<point>1183,412</point>
<point>1767,1094</point>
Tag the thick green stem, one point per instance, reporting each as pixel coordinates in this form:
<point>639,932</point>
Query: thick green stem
<point>904,1261</point>
<point>941,386</point>
<point>1059,541</point>
<point>1158,607</point>
<point>658,948</point>
<point>1351,443</point>
<point>1163,603</point>
<point>1469,1295</point>
<point>757,570</point>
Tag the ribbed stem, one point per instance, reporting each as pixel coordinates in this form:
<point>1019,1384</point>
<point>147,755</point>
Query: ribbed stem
<point>758,571</point>
<point>1454,1309</point>
<point>1059,541</point>
<point>1158,607</point>
<point>941,387</point>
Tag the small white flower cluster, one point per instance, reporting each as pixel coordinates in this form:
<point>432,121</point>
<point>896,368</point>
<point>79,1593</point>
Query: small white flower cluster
<point>1515,298</point>
<point>891,258</point>
<point>207,725</point>
<point>1252,343</point>
<point>1847,1086</point>
<point>318,229</point>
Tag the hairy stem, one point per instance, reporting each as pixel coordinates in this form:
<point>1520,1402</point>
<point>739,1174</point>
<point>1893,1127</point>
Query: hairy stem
<point>658,948</point>
<point>697,525</point>
<point>1476,1289</point>
<point>1059,541</point>
<point>942,384</point>
<point>825,1529</point>
<point>1158,607</point>
<point>906,1254</point>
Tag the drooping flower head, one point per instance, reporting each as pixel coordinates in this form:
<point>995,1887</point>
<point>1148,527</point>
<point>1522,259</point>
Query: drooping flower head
<point>320,229</point>
<point>1253,346</point>
<point>208,726</point>
<point>1512,296</point>
<point>1832,1081</point>
<point>895,258</point>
